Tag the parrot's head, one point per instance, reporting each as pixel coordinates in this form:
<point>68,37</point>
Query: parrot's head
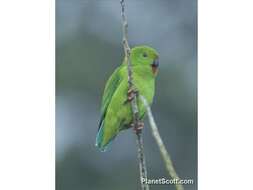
<point>145,56</point>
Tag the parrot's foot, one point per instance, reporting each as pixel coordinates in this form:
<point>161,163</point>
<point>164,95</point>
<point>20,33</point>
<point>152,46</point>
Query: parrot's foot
<point>131,93</point>
<point>140,126</point>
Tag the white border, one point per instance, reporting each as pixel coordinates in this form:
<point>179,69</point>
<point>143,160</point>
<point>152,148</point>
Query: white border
<point>225,78</point>
<point>27,95</point>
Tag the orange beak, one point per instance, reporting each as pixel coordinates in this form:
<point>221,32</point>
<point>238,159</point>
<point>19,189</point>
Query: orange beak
<point>155,66</point>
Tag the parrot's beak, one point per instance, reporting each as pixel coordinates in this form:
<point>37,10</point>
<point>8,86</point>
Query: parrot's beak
<point>155,66</point>
<point>155,63</point>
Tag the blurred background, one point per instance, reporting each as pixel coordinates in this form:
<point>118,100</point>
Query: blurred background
<point>88,49</point>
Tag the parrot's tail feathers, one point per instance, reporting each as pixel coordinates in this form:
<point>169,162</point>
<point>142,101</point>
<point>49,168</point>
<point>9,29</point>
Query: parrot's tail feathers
<point>99,140</point>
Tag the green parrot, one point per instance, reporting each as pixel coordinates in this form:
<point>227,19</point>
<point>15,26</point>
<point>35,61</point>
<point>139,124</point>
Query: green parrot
<point>116,112</point>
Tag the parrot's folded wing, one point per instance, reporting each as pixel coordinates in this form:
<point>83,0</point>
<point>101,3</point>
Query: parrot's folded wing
<point>110,87</point>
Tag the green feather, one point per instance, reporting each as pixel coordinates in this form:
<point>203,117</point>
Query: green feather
<point>116,115</point>
<point>110,88</point>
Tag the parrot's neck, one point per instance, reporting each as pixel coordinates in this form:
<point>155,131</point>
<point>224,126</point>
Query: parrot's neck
<point>144,72</point>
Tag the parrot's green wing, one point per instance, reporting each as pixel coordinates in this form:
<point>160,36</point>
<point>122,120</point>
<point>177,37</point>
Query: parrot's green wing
<point>110,87</point>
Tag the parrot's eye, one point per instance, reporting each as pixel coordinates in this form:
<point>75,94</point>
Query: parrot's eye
<point>145,54</point>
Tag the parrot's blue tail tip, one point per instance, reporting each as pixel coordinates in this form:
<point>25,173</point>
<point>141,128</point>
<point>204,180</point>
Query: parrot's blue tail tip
<point>99,140</point>
<point>100,147</point>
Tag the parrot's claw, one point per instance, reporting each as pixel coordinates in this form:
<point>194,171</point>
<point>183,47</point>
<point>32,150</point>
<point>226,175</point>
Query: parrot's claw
<point>131,93</point>
<point>139,127</point>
